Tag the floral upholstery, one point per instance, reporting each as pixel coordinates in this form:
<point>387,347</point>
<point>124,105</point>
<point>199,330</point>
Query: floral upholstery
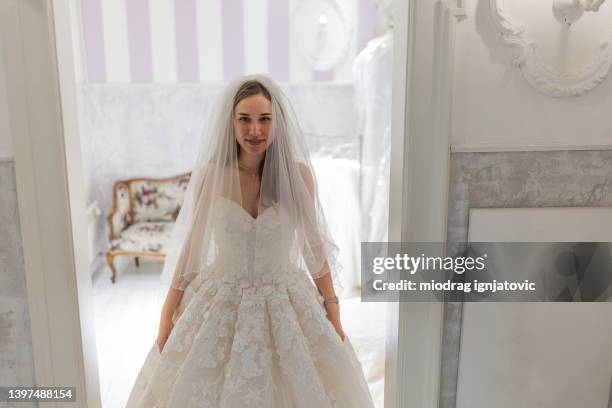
<point>157,200</point>
<point>121,218</point>
<point>144,212</point>
<point>143,237</point>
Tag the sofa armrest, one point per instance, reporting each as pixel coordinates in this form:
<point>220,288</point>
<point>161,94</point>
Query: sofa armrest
<point>120,217</point>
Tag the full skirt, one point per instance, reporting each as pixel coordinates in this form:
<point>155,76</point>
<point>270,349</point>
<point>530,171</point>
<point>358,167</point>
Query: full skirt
<point>263,342</point>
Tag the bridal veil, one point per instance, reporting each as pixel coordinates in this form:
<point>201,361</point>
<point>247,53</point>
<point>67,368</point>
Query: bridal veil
<point>287,181</point>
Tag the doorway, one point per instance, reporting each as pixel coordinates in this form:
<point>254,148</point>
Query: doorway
<point>48,161</point>
<point>143,100</point>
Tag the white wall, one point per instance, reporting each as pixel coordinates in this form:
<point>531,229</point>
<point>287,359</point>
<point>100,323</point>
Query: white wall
<point>546,355</point>
<point>16,351</point>
<point>494,107</point>
<point>6,148</point>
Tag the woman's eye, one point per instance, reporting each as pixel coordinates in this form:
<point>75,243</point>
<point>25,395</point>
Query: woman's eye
<point>266,119</point>
<point>243,119</point>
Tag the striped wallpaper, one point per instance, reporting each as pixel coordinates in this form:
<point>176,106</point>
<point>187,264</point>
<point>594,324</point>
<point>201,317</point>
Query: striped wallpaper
<point>143,41</point>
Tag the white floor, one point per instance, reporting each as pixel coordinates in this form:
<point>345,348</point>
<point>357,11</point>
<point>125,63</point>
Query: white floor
<point>127,315</point>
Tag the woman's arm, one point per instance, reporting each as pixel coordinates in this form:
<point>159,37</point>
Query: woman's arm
<point>173,299</point>
<point>165,321</point>
<point>325,285</point>
<point>325,282</point>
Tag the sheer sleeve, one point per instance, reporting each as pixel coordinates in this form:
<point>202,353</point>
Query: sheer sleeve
<point>316,247</point>
<point>181,279</point>
<point>183,260</point>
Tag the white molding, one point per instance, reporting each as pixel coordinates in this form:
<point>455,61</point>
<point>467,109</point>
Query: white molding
<point>549,80</point>
<point>418,205</point>
<point>403,12</point>
<point>77,208</point>
<point>503,147</point>
<point>13,62</point>
<point>78,41</point>
<point>60,307</point>
<point>455,7</point>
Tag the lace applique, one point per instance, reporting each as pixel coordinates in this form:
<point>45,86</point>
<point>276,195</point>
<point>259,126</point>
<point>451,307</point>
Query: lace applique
<point>256,334</point>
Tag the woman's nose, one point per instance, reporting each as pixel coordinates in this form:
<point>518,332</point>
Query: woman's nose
<point>255,129</point>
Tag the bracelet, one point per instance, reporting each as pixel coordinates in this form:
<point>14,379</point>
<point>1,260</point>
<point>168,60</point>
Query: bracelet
<point>331,300</point>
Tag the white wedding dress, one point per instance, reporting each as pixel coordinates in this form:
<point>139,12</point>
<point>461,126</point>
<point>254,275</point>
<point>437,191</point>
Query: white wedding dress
<point>254,334</point>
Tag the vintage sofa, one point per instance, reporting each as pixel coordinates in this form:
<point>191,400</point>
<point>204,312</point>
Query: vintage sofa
<point>142,216</point>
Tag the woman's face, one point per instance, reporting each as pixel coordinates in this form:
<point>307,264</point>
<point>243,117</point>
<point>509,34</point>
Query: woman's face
<point>252,124</point>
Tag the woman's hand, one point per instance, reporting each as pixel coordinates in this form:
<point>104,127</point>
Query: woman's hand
<point>173,299</point>
<point>165,327</point>
<point>325,286</point>
<point>333,314</point>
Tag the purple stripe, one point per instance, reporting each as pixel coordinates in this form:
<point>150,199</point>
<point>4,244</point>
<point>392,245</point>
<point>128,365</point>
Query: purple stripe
<point>232,15</point>
<point>91,15</point>
<point>139,40</point>
<point>367,16</point>
<point>186,41</point>
<point>278,39</point>
<point>323,76</point>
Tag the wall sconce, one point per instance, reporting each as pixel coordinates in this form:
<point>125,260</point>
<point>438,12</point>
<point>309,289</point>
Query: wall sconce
<point>570,11</point>
<point>321,37</point>
<point>321,32</point>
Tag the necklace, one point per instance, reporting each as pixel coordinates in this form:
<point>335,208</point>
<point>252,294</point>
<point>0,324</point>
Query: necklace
<point>250,171</point>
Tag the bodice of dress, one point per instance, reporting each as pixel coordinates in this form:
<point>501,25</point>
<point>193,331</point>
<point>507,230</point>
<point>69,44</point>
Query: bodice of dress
<point>247,247</point>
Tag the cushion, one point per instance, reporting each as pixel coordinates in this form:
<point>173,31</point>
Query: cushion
<point>144,237</point>
<point>157,200</point>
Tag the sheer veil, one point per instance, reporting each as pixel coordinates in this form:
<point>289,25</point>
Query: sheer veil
<point>288,183</point>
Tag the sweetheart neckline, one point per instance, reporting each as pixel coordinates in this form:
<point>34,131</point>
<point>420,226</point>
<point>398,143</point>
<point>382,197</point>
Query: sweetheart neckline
<point>245,212</point>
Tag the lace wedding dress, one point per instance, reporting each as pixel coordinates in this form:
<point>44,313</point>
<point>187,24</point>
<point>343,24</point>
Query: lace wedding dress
<point>255,333</point>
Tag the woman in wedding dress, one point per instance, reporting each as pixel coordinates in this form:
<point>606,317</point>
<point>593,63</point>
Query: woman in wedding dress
<point>251,318</point>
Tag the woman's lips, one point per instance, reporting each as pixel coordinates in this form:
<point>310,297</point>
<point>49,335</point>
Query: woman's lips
<point>254,142</point>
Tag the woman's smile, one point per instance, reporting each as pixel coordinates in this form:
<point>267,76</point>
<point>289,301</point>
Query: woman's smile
<point>255,142</point>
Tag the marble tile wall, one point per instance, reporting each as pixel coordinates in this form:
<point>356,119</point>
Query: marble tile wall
<point>515,180</point>
<point>16,364</point>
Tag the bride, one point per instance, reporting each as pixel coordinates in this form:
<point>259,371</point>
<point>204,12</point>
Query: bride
<point>251,318</point>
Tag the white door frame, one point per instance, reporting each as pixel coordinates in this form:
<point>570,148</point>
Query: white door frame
<point>50,195</point>
<point>52,210</point>
<point>420,160</point>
